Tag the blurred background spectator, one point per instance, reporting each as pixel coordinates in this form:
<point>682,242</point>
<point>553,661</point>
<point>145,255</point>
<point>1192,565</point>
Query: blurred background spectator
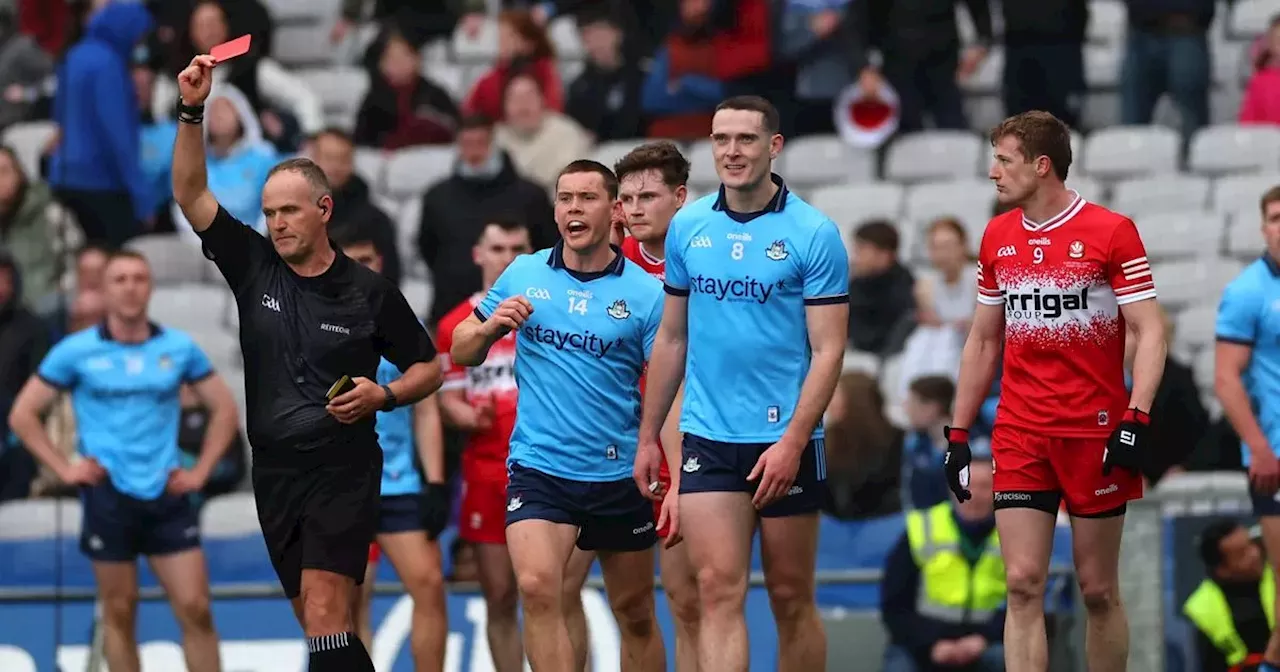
<point>483,188</point>
<point>238,159</point>
<point>23,342</point>
<point>682,90</point>
<point>1167,52</point>
<point>1179,420</point>
<point>25,71</point>
<point>333,150</point>
<point>156,136</point>
<point>231,469</point>
<point>881,291</point>
<point>83,296</point>
<point>863,449</point>
<point>523,47</point>
<point>1261,103</point>
<point>1233,607</point>
<point>945,296</point>
<point>539,140</point>
<point>814,38</point>
<point>403,108</point>
<point>95,168</point>
<point>419,21</point>
<point>1044,57</point>
<point>605,98</point>
<point>41,235</point>
<point>943,592</point>
<point>928,411</point>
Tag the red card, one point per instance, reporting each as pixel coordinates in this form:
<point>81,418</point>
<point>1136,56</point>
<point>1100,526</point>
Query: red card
<point>229,50</point>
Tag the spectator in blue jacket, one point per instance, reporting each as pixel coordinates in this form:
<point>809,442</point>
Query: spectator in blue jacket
<point>95,167</point>
<point>156,137</point>
<point>812,36</point>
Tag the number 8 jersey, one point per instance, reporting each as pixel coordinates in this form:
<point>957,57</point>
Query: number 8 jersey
<point>1062,283</point>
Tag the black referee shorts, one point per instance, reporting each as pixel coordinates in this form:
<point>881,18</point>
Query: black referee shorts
<point>318,509</point>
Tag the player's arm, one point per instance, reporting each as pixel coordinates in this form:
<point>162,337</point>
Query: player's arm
<point>224,424</point>
<point>666,369</point>
<point>497,313</point>
<point>33,403</point>
<point>1236,330</point>
<point>429,435</point>
<point>673,439</point>
<point>826,315</point>
<point>1146,319</point>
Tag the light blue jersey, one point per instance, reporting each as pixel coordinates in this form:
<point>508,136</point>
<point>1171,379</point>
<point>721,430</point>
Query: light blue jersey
<point>395,435</point>
<point>125,399</point>
<point>578,363</point>
<point>1249,314</point>
<point>748,278</point>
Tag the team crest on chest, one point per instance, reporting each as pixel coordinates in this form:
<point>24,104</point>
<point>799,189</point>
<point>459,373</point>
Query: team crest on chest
<point>777,251</point>
<point>618,310</point>
<point>1076,249</point>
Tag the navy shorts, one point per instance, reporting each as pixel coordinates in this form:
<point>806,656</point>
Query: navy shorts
<point>611,516</point>
<point>400,513</point>
<point>717,466</point>
<point>119,528</point>
<point>1265,505</point>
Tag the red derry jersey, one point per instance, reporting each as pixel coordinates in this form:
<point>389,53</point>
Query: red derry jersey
<point>631,249</point>
<point>1062,283</point>
<point>494,381</point>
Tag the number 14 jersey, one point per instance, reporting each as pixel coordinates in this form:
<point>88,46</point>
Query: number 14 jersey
<point>1062,282</point>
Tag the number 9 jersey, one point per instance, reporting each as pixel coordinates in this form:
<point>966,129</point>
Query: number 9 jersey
<point>1062,283</point>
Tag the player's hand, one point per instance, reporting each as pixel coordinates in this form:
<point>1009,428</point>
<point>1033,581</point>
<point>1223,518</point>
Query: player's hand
<point>358,403</point>
<point>669,517</point>
<point>968,649</point>
<point>435,509</point>
<point>184,482</point>
<point>647,469</point>
<point>1127,446</point>
<point>943,652</point>
<point>86,471</point>
<point>509,315</point>
<point>1264,472</point>
<point>775,471</point>
<point>196,80</point>
<point>485,411</point>
<point>957,462</point>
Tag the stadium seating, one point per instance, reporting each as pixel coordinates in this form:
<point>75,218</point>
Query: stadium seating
<point>1131,151</point>
<point>1164,194</point>
<point>935,155</point>
<point>31,519</point>
<point>824,159</point>
<point>1181,234</point>
<point>232,515</point>
<point>410,171</point>
<point>28,140</point>
<point>173,261</point>
<point>1229,148</point>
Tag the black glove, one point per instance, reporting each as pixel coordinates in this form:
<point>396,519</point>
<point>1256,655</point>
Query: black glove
<point>1127,446</point>
<point>957,462</point>
<point>435,509</point>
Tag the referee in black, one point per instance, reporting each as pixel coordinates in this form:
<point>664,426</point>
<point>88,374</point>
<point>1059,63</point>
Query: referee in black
<point>309,317</point>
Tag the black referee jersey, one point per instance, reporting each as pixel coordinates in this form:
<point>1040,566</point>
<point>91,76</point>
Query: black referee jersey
<point>301,334</point>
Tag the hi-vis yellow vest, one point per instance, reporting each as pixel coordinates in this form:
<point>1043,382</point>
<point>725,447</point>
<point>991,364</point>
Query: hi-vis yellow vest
<point>951,589</point>
<point>1207,608</point>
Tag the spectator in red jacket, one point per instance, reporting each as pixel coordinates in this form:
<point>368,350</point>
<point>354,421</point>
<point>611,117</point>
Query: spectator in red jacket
<point>403,108</point>
<point>523,46</point>
<point>1261,104</point>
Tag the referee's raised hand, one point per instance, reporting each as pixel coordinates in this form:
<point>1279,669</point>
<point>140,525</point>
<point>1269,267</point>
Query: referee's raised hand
<point>509,315</point>
<point>195,81</point>
<point>358,403</point>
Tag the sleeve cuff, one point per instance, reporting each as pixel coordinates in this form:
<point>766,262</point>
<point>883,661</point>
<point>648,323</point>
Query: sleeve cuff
<point>200,378</point>
<point>675,291</point>
<point>990,300</point>
<point>1234,339</point>
<point>827,300</point>
<point>53,383</point>
<point>479,315</point>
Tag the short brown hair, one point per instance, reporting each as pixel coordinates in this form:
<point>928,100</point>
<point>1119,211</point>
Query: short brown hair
<point>662,156</point>
<point>934,389</point>
<point>522,22</point>
<point>590,166</point>
<point>126,253</point>
<point>1039,134</point>
<point>878,233</point>
<point>1270,196</point>
<point>307,169</point>
<point>772,120</point>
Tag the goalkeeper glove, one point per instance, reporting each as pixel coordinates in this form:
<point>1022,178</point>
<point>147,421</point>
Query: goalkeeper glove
<point>435,509</point>
<point>1127,445</point>
<point>957,462</point>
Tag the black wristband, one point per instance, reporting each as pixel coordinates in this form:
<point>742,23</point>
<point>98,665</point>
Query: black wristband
<point>190,114</point>
<point>390,403</point>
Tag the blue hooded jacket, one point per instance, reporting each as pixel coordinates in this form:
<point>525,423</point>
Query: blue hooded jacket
<point>96,108</point>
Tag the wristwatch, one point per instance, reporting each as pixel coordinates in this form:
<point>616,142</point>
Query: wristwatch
<point>390,403</point>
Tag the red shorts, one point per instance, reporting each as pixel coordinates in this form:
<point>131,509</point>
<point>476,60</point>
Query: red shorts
<point>482,515</point>
<point>1026,462</point>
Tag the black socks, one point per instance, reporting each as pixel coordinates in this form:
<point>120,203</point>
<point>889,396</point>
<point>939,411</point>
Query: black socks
<point>343,652</point>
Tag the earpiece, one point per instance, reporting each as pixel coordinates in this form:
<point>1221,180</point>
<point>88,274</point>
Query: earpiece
<point>324,209</point>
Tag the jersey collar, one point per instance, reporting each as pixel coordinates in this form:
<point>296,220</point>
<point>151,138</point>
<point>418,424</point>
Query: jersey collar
<point>105,334</point>
<point>776,204</point>
<point>556,260</point>
<point>1271,263</point>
